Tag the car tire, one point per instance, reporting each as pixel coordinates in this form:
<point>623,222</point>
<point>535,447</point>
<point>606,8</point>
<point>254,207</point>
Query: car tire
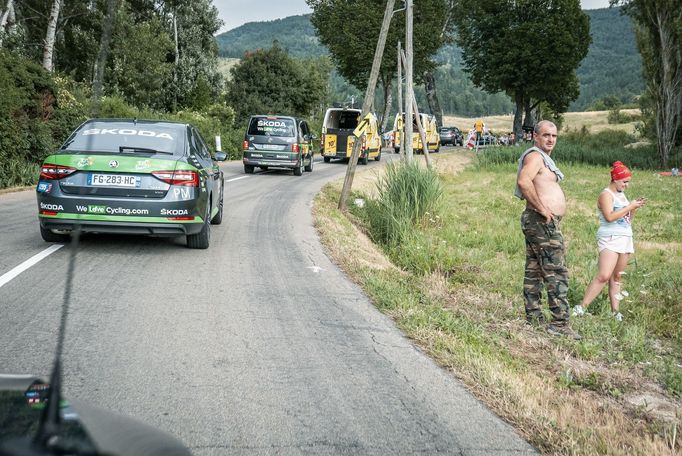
<point>218,218</point>
<point>396,150</point>
<point>327,159</point>
<point>309,167</point>
<point>298,171</point>
<point>378,157</point>
<point>248,169</point>
<point>49,236</point>
<point>202,239</point>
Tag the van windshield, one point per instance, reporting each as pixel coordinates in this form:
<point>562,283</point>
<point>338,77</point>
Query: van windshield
<point>271,126</point>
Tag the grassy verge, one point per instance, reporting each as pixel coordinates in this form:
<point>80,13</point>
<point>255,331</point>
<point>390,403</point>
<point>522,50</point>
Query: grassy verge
<point>455,289</point>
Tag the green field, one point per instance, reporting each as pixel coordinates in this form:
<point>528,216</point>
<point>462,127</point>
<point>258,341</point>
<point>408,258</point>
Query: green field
<point>455,288</point>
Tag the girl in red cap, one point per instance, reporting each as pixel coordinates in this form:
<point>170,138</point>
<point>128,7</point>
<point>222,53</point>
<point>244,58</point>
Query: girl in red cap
<point>614,239</point>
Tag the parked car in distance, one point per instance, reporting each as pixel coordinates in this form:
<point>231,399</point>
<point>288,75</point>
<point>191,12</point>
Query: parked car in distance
<point>487,140</point>
<point>131,176</point>
<point>278,142</point>
<point>450,136</point>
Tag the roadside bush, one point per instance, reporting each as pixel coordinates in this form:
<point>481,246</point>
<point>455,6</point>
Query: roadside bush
<point>600,149</point>
<point>407,193</point>
<point>616,116</point>
<point>36,112</point>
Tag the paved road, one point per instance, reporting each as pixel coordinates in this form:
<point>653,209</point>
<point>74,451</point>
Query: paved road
<point>258,345</point>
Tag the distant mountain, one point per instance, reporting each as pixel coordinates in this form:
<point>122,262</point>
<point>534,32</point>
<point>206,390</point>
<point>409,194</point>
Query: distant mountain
<point>612,65</point>
<point>295,33</point>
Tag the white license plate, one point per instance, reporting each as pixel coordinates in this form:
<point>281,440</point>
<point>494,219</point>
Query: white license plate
<point>112,180</point>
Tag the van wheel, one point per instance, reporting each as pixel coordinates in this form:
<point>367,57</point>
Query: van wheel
<point>50,236</point>
<point>397,150</point>
<point>298,171</point>
<point>378,157</point>
<point>248,169</point>
<point>327,159</point>
<point>309,167</point>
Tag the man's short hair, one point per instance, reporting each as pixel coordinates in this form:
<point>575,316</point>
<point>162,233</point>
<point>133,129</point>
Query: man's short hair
<point>541,124</point>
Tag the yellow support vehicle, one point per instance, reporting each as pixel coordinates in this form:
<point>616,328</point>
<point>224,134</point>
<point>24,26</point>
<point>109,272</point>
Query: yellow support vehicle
<point>430,128</point>
<point>337,135</point>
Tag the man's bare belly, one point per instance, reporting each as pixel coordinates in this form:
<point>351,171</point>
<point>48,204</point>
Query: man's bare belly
<point>550,193</point>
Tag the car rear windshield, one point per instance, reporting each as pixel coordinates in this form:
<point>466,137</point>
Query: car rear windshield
<point>271,126</point>
<point>131,137</point>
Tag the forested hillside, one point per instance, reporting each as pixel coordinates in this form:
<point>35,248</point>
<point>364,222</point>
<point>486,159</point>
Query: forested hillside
<point>611,68</point>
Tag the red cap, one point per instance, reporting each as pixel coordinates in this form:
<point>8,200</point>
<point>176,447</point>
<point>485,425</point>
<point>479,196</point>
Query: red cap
<point>619,171</point>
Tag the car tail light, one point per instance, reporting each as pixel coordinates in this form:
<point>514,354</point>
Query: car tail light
<point>49,171</point>
<point>245,145</point>
<point>294,147</point>
<point>180,218</point>
<point>179,177</point>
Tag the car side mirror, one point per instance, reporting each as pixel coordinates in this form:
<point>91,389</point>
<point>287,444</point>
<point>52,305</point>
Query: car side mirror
<point>220,156</point>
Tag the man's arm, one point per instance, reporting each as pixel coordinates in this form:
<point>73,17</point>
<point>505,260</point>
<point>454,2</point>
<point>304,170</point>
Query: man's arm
<point>532,164</point>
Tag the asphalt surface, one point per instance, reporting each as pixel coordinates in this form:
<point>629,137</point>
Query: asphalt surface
<point>258,345</point>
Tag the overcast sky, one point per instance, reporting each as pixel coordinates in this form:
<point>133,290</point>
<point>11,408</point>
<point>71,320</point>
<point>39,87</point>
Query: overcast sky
<point>237,12</point>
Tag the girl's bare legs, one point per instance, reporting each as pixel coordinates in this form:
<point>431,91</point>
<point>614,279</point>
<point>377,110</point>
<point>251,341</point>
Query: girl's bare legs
<point>606,267</point>
<point>614,281</point>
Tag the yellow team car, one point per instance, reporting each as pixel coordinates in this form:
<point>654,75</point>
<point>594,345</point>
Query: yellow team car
<point>430,127</point>
<point>337,135</point>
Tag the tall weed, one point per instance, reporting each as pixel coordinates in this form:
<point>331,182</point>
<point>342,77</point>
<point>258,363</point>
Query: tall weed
<point>407,192</point>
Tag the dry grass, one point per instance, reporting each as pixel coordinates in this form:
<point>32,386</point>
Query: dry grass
<point>594,121</point>
<point>560,403</point>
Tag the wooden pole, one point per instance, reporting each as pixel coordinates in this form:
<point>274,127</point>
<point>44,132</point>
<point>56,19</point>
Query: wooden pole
<point>400,132</point>
<point>420,127</point>
<point>409,89</point>
<point>367,103</point>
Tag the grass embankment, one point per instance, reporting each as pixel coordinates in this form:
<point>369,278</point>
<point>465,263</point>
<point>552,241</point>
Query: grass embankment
<point>455,289</point>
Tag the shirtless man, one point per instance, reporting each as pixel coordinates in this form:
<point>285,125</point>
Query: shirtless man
<point>538,183</point>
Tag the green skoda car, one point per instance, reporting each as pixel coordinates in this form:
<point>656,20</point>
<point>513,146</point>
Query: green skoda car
<point>132,177</point>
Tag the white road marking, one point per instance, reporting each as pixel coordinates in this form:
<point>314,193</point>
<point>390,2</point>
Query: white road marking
<point>236,178</point>
<point>316,269</point>
<point>5,278</point>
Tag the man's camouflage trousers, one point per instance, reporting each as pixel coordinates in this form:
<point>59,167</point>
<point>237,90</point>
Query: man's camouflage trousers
<point>545,263</point>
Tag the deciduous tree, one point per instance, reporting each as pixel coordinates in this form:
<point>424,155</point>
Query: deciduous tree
<point>350,30</point>
<point>659,38</point>
<point>268,81</point>
<point>528,49</point>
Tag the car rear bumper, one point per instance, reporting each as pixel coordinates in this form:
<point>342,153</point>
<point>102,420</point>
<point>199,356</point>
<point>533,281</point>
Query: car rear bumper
<point>118,227</point>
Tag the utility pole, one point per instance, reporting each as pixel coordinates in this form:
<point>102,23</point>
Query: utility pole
<point>400,132</point>
<point>367,103</point>
<point>420,127</point>
<point>409,89</point>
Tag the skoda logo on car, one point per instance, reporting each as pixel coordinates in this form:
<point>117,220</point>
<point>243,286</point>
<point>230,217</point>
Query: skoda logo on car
<point>113,164</point>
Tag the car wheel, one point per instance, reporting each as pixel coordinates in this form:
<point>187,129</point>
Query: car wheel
<point>218,218</point>
<point>202,239</point>
<point>49,236</point>
<point>298,171</point>
<point>327,159</point>
<point>396,150</point>
<point>309,167</point>
<point>248,169</point>
<point>378,157</point>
